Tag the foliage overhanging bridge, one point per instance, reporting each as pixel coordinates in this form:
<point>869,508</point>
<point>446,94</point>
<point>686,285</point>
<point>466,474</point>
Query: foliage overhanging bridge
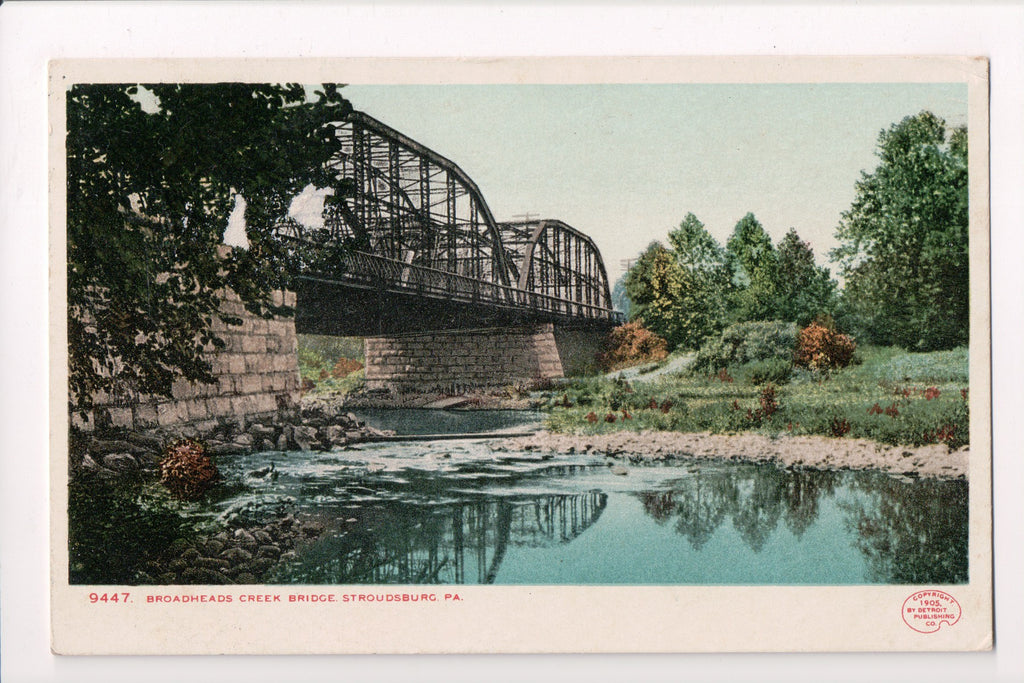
<point>409,244</point>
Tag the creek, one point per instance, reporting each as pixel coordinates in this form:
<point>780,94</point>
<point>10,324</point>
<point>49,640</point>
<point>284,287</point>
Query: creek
<point>453,511</point>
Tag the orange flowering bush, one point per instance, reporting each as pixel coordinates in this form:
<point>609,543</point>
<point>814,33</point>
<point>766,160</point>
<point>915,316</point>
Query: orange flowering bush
<point>345,367</point>
<point>186,469</point>
<point>631,344</point>
<point>822,348</point>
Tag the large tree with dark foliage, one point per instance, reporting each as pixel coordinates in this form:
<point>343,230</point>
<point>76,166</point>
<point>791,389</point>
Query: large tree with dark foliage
<point>804,290</point>
<point>149,193</point>
<point>904,240</point>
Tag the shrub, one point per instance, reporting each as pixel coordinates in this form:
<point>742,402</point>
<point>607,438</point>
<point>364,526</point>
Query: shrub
<point>771,370</point>
<point>631,344</point>
<point>822,348</point>
<point>112,531</point>
<point>344,367</point>
<point>186,470</point>
<point>839,426</point>
<point>747,342</point>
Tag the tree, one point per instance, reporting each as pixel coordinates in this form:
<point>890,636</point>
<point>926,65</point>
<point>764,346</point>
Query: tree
<point>804,290</point>
<point>903,242</point>
<point>704,261</point>
<point>753,265</point>
<point>149,192</point>
<point>655,285</point>
<point>620,298</point>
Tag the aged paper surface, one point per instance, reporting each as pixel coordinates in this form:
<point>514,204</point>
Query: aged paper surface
<point>666,617</point>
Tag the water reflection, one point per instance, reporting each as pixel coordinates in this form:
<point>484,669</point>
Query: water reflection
<point>912,533</point>
<point>754,498</point>
<point>445,544</point>
<point>908,530</point>
<point>454,512</point>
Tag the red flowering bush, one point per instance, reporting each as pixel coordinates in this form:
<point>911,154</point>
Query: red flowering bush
<point>631,344</point>
<point>822,348</point>
<point>186,469</point>
<point>839,426</point>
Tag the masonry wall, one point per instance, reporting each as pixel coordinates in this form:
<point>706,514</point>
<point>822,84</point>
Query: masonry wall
<point>462,359</point>
<point>257,375</point>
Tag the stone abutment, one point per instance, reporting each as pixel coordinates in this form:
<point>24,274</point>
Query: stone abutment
<point>257,376</point>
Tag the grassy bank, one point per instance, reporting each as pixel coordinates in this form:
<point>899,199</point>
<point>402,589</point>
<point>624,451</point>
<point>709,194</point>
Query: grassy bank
<point>890,396</point>
<point>330,365</point>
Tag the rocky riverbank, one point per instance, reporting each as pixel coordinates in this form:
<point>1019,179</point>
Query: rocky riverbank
<point>476,399</point>
<point>232,556</point>
<point>318,424</point>
<point>241,551</point>
<point>815,452</point>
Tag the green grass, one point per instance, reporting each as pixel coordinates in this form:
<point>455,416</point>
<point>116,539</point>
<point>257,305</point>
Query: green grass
<point>918,396</point>
<point>317,357</point>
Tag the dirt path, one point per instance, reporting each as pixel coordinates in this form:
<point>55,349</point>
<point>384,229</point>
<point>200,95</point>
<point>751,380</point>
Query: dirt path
<point>806,451</point>
<point>633,374</point>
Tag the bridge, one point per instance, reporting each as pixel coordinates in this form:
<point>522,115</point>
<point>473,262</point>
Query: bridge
<point>411,257</point>
<point>415,247</point>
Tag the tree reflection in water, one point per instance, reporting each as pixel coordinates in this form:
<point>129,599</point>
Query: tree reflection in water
<point>912,532</point>
<point>456,543</point>
<point>908,530</point>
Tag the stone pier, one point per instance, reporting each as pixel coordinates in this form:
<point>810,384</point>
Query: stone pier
<point>462,359</point>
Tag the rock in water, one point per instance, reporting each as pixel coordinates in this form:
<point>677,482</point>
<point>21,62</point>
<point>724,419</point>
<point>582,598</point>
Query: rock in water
<point>619,469</point>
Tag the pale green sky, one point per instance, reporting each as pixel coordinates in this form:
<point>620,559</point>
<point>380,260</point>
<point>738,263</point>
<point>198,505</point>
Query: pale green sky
<point>625,163</point>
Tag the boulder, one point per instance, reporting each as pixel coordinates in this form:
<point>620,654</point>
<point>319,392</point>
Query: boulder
<point>148,441</point>
<point>258,430</point>
<point>271,551</point>
<point>261,564</point>
<point>213,547</point>
<point>304,438</point>
<point>121,462</point>
<point>236,555</point>
<point>335,434</point>
<point>212,563</point>
<point>105,446</point>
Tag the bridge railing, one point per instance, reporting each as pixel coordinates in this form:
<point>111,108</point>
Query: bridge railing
<point>400,276</point>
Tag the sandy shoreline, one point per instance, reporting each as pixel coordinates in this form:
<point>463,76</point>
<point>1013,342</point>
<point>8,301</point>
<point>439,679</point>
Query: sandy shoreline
<point>817,452</point>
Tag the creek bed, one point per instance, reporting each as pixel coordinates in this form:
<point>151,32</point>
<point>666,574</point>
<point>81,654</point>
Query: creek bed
<point>456,511</point>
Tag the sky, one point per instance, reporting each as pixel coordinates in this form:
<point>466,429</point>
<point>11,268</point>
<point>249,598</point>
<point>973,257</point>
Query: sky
<point>625,163</point>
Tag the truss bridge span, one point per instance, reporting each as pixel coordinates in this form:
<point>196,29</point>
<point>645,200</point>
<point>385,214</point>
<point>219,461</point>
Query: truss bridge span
<point>409,245</point>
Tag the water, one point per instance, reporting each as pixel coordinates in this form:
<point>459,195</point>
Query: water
<point>455,511</point>
<point>423,421</point>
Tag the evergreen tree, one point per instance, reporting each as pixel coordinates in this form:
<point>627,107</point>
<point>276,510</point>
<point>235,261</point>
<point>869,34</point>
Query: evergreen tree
<point>705,291</point>
<point>803,289</point>
<point>753,265</point>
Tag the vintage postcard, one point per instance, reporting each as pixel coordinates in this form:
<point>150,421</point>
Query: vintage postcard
<point>520,355</point>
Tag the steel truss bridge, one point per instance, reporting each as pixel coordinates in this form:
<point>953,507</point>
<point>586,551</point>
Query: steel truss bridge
<point>409,244</point>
